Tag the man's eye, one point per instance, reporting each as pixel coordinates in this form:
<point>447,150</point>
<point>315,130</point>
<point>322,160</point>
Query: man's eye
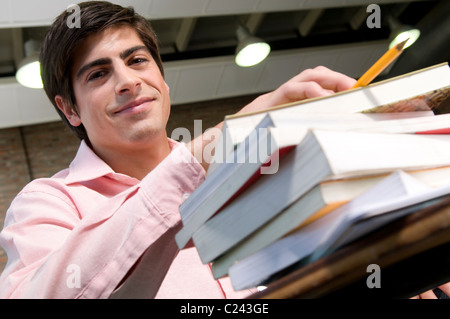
<point>138,60</point>
<point>96,75</point>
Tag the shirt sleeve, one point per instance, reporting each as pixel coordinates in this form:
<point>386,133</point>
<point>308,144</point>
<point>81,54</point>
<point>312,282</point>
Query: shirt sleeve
<point>53,252</point>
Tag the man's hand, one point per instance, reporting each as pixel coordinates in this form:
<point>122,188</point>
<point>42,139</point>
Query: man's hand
<point>310,83</point>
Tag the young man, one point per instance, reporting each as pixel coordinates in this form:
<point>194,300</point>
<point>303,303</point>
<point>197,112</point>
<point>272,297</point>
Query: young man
<point>105,226</point>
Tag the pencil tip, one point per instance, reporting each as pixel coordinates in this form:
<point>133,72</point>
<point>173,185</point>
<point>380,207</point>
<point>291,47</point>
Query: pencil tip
<point>401,45</point>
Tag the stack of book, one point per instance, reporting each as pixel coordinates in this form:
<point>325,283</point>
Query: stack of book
<point>294,183</point>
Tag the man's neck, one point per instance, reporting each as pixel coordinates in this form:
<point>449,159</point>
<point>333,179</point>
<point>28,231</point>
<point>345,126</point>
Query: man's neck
<point>135,161</point>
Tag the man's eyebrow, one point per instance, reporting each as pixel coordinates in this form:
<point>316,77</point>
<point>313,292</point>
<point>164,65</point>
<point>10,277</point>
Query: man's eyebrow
<point>94,63</point>
<point>130,51</point>
<point>103,61</point>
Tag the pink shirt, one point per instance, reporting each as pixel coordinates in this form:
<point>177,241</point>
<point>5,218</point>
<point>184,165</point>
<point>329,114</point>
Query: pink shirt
<point>80,232</point>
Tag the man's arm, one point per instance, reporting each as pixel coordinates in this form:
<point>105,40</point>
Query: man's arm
<point>310,83</point>
<point>65,246</point>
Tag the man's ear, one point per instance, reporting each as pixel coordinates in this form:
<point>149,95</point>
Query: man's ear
<point>68,111</point>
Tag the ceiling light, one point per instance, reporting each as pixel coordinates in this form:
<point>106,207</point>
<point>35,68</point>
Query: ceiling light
<point>412,34</point>
<point>401,32</point>
<point>250,50</point>
<point>28,72</point>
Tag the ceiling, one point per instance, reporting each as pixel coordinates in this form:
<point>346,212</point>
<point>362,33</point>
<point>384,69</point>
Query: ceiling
<point>198,39</point>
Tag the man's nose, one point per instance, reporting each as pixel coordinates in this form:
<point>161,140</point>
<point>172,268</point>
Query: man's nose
<point>127,81</point>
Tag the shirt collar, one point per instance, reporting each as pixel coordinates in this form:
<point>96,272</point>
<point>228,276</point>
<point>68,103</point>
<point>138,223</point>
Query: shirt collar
<point>88,166</point>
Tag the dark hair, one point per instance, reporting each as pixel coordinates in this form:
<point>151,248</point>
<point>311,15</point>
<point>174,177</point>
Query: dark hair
<point>61,41</point>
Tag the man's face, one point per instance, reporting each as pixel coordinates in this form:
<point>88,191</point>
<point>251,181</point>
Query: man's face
<point>120,94</point>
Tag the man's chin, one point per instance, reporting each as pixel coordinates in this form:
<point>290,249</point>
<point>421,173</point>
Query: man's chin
<point>147,135</point>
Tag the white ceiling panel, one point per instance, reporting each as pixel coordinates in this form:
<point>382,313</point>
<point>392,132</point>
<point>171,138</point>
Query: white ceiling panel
<point>171,75</point>
<point>322,3</point>
<point>4,12</point>
<point>196,82</point>
<point>278,69</point>
<point>279,5</point>
<point>138,5</point>
<point>313,59</point>
<point>176,8</point>
<point>231,6</point>
<point>30,12</point>
<point>237,81</point>
<point>34,106</point>
<point>355,62</point>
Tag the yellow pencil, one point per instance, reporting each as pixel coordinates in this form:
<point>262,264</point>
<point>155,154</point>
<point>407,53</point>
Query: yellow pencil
<point>380,65</point>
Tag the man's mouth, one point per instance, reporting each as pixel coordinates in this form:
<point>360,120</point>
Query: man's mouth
<point>135,106</point>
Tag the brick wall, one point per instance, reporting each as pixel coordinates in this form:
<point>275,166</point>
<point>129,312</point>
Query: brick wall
<point>13,171</point>
<point>42,150</point>
<point>31,152</point>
